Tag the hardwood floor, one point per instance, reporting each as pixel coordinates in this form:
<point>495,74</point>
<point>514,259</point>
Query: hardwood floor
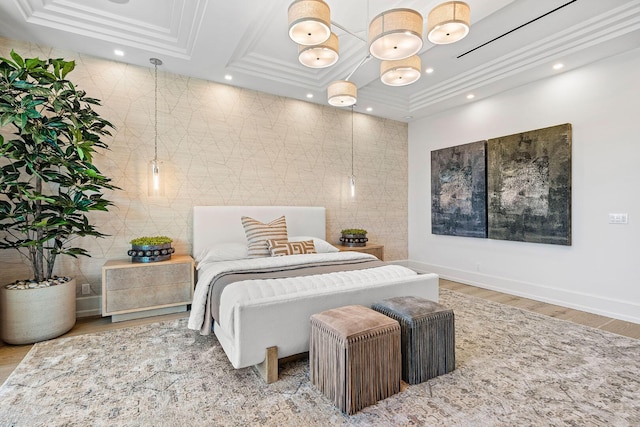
<point>619,327</point>
<point>11,355</point>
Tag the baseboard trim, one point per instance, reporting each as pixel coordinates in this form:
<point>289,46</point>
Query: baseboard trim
<point>89,306</point>
<point>609,307</point>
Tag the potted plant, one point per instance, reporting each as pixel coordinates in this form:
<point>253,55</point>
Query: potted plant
<point>354,237</point>
<point>151,249</point>
<point>48,134</point>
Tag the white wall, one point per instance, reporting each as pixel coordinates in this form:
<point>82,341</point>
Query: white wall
<point>600,272</point>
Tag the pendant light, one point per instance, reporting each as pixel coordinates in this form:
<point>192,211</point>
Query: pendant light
<point>448,22</point>
<point>309,22</point>
<point>155,181</point>
<point>402,72</point>
<point>342,93</point>
<point>352,178</point>
<point>319,56</point>
<point>394,37</point>
<point>395,34</point>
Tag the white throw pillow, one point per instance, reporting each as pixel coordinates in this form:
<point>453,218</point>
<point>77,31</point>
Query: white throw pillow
<point>322,246</point>
<point>222,252</point>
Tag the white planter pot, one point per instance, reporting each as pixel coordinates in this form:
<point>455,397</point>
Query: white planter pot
<point>31,315</point>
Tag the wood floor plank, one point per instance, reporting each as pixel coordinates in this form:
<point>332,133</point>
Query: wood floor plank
<point>621,327</point>
<point>454,286</point>
<point>584,318</point>
<point>528,304</point>
<point>504,298</point>
<point>10,357</point>
<point>552,310</point>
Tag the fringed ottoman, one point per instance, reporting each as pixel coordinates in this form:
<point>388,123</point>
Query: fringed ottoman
<point>354,356</point>
<point>428,336</point>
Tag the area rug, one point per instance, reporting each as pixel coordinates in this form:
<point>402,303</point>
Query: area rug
<point>514,368</point>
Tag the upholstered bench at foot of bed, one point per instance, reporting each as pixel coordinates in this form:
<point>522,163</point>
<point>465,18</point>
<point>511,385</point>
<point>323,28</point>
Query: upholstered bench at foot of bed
<point>354,356</point>
<point>428,336</point>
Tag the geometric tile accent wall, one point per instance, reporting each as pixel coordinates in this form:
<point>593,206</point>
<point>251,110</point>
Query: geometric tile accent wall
<point>228,146</point>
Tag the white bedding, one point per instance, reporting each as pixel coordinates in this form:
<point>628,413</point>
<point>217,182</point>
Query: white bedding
<point>276,289</point>
<point>272,289</point>
<point>278,315</point>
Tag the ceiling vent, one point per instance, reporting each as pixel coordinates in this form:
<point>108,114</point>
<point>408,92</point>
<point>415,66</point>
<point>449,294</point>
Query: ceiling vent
<point>517,28</point>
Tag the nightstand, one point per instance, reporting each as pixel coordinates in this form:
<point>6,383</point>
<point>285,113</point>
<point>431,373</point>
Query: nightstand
<point>131,290</point>
<point>373,249</point>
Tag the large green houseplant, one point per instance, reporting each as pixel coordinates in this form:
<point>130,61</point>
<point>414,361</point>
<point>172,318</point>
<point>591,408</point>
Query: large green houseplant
<point>48,135</point>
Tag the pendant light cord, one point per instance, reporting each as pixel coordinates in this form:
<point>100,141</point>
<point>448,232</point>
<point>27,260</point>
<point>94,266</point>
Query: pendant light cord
<point>352,141</point>
<point>155,62</point>
<point>155,138</point>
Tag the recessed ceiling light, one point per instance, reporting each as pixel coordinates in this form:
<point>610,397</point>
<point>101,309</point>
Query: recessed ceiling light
<point>118,52</point>
<point>309,95</point>
<point>119,1</point>
<point>228,77</point>
<point>558,66</point>
<point>369,109</point>
<point>429,70</point>
<point>471,96</point>
<point>408,117</point>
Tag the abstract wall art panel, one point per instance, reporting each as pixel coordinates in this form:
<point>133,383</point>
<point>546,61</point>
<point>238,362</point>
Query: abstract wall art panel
<point>529,186</point>
<point>459,190</point>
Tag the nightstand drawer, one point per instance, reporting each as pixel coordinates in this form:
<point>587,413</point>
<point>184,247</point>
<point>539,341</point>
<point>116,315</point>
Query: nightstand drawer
<point>131,290</point>
<point>139,297</point>
<point>148,276</point>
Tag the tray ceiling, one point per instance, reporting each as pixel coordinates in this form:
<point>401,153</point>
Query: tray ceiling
<point>511,43</point>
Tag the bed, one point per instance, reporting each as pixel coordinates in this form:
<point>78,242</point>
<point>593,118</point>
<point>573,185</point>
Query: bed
<point>258,319</point>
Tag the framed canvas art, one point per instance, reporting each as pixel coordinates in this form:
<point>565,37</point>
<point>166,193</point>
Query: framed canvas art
<point>529,186</point>
<point>459,191</point>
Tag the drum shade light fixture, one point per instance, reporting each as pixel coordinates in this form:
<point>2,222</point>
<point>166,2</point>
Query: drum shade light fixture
<point>342,93</point>
<point>395,34</point>
<point>395,37</point>
<point>320,56</point>
<point>402,72</point>
<point>309,22</point>
<point>448,22</point>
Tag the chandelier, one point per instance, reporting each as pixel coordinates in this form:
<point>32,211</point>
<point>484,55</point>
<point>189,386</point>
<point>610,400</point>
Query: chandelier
<point>395,37</point>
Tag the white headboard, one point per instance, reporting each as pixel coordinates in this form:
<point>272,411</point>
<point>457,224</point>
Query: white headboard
<point>222,224</point>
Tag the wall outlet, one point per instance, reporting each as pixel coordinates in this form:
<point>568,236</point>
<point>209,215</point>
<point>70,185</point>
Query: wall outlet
<point>477,266</point>
<point>86,289</point>
<point>618,218</point>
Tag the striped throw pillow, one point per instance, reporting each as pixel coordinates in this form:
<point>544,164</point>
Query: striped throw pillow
<point>284,247</point>
<point>258,233</point>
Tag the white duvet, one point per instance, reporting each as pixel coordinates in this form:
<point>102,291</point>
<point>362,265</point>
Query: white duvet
<point>285,288</point>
